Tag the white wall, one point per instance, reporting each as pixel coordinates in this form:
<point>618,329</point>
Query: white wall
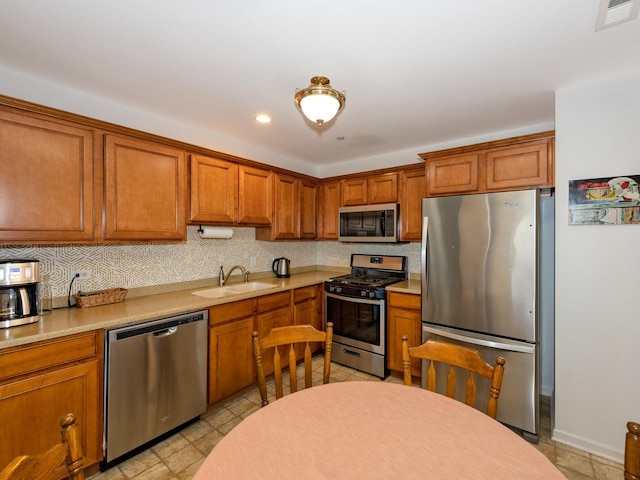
<point>597,271</point>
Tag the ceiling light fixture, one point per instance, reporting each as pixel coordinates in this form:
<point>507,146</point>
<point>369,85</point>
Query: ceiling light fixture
<point>320,102</point>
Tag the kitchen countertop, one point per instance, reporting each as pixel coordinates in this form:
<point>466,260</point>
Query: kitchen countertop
<point>67,321</point>
<point>408,286</point>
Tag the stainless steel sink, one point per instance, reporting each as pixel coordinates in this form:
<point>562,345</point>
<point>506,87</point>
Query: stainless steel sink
<point>235,289</point>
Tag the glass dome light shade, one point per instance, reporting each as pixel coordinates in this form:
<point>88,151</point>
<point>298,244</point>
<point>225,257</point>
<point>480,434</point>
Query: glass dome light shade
<point>319,108</point>
<point>320,102</point>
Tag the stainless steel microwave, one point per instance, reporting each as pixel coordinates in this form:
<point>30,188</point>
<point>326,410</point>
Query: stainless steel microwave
<point>370,223</point>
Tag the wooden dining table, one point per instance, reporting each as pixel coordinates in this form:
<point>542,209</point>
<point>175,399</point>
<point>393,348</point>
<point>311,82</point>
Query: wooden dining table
<point>372,430</point>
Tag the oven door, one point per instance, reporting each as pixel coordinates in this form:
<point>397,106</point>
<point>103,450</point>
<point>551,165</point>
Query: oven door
<point>357,322</point>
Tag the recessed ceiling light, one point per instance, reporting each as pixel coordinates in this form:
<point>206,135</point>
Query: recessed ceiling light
<point>263,118</point>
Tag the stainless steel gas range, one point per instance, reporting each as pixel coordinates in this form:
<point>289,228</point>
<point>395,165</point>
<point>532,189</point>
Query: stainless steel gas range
<point>356,304</point>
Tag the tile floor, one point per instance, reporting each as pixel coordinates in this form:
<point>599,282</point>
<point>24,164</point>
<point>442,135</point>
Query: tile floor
<point>180,456</point>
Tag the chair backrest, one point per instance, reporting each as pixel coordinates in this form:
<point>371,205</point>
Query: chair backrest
<point>632,452</point>
<point>455,356</point>
<point>291,336</point>
<point>41,467</point>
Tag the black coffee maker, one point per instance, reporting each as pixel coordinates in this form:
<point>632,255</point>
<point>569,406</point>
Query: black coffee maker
<point>18,292</point>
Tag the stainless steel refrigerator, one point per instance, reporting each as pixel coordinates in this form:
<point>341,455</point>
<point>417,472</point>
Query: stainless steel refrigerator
<point>480,288</point>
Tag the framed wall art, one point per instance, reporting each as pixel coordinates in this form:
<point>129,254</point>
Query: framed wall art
<point>605,201</point>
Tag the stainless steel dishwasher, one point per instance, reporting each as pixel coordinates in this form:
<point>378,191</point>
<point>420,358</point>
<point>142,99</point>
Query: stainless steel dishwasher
<point>155,381</point>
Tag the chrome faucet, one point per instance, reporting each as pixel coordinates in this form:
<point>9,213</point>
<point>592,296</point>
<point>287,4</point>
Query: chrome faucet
<point>223,278</point>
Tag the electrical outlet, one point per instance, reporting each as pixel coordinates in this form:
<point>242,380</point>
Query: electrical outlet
<point>252,261</point>
<point>80,275</point>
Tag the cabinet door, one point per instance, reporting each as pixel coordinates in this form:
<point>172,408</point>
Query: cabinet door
<point>31,408</point>
<point>255,196</point>
<point>144,190</point>
<point>519,166</point>
<point>231,362</point>
<point>286,207</point>
<point>46,184</point>
<point>403,318</point>
<point>308,210</point>
<point>307,310</point>
<point>214,190</point>
<point>330,201</point>
<point>413,188</point>
<point>383,188</point>
<point>453,174</point>
<point>354,191</point>
<point>267,322</point>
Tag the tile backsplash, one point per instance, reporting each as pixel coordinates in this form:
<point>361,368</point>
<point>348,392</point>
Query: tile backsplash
<point>151,264</point>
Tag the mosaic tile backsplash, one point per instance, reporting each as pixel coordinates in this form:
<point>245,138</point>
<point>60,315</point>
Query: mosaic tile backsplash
<point>152,264</point>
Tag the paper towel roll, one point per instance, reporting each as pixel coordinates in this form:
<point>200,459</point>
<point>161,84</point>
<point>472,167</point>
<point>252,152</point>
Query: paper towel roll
<point>215,232</point>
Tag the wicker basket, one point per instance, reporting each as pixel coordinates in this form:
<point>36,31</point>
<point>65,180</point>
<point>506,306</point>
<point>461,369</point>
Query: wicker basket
<point>100,297</point>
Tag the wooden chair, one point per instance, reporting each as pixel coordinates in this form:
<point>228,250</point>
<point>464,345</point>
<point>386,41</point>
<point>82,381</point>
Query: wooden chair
<point>455,355</point>
<point>291,336</point>
<point>41,467</point>
<point>632,452</point>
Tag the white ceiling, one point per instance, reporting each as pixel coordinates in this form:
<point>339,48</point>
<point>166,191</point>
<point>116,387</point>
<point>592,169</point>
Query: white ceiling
<point>418,74</point>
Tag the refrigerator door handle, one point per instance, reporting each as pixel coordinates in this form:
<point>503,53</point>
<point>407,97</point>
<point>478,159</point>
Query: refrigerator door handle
<point>423,256</point>
<point>511,346</point>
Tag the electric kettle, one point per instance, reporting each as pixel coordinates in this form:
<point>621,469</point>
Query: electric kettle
<point>280,267</point>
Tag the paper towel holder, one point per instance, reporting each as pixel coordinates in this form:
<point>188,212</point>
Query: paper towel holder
<point>216,232</point>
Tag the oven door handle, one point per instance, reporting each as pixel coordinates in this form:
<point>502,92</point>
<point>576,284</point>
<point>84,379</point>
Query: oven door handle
<point>354,299</point>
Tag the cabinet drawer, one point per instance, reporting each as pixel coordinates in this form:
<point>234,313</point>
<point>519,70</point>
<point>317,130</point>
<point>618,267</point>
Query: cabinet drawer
<point>305,293</point>
<point>32,358</point>
<point>276,300</point>
<point>231,311</point>
<point>404,300</point>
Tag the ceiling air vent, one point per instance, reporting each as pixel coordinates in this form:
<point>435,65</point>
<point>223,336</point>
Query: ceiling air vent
<point>614,12</point>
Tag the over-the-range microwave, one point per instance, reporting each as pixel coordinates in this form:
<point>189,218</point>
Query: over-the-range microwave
<point>370,223</point>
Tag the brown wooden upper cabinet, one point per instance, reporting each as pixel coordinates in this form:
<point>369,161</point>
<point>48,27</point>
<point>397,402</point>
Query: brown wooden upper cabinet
<point>370,190</point>
<point>382,188</point>
<point>294,210</point>
<point>214,190</point>
<point>510,164</point>
<point>255,196</point>
<point>308,209</point>
<point>413,188</point>
<point>46,184</point>
<point>330,200</point>
<point>145,190</point>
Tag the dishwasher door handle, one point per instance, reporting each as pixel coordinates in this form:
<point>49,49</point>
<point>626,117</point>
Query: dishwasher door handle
<point>165,333</point>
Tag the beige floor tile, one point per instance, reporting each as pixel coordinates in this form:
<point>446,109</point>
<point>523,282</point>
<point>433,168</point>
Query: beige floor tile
<point>574,459</point>
<point>171,445</point>
<point>182,459</point>
<point>159,471</point>
<point>206,443</point>
<point>141,462</point>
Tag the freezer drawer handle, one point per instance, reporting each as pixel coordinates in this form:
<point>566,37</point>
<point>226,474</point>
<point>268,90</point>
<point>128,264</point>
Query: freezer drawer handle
<point>165,333</point>
<point>484,343</point>
<point>350,352</point>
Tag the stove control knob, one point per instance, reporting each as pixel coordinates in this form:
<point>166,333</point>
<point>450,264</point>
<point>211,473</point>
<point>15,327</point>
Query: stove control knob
<point>332,288</point>
<point>338,289</point>
<point>372,294</point>
<point>363,293</point>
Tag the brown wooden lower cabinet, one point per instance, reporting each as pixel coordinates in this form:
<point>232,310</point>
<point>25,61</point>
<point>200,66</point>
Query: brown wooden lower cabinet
<point>40,383</point>
<point>403,318</point>
<point>307,310</point>
<point>231,361</point>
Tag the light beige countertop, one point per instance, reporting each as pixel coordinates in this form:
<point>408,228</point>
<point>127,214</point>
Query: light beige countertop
<point>408,286</point>
<point>67,321</point>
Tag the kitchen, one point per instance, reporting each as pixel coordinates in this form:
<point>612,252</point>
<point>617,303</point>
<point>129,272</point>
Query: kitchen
<point>595,123</point>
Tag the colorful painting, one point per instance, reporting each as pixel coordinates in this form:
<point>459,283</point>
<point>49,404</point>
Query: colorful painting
<point>604,201</point>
